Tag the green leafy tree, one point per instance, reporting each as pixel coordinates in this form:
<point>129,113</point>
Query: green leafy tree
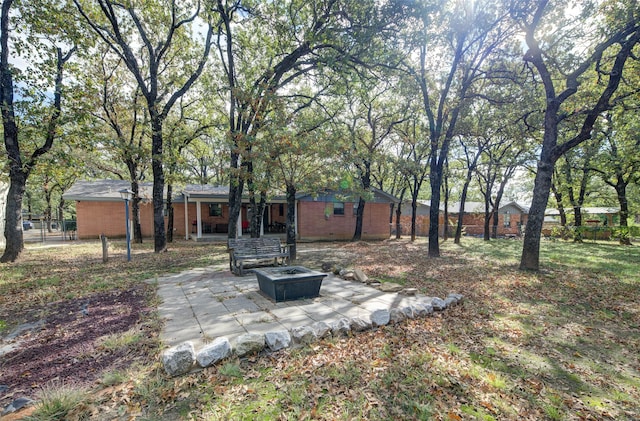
<point>564,71</point>
<point>618,162</point>
<point>301,144</point>
<point>373,111</point>
<point>456,43</point>
<point>268,47</point>
<point>36,22</point>
<point>153,39</point>
<point>118,124</point>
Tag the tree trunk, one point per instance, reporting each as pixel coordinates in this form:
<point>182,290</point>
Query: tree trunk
<point>236,185</point>
<point>463,199</point>
<point>577,216</point>
<point>496,204</point>
<point>61,213</point>
<point>414,216</point>
<point>357,235</point>
<point>434,215</point>
<point>365,181</point>
<point>160,237</point>
<point>13,224</point>
<point>398,223</point>
<point>621,190</point>
<point>169,213</point>
<point>135,203</point>
<point>262,205</point>
<point>291,220</point>
<point>445,216</point>
<point>530,258</point>
<point>135,212</point>
<point>557,194</point>
<point>399,214</point>
<point>495,220</point>
<point>486,228</point>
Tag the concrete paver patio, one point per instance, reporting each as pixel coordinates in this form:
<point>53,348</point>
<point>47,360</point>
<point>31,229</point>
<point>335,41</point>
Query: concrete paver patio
<point>202,304</point>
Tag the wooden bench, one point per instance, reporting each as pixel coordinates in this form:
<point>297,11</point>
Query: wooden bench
<point>259,251</point>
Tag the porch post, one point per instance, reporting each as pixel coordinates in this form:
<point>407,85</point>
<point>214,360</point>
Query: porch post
<point>186,216</point>
<point>198,219</point>
<point>239,224</point>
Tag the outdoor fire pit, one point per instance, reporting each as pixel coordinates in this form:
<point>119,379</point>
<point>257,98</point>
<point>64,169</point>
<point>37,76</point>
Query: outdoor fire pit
<point>290,282</point>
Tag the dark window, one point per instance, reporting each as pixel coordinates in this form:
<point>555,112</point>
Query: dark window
<point>215,209</point>
<point>281,209</point>
<point>338,208</point>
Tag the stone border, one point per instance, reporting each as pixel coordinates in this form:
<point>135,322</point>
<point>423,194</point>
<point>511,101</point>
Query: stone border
<point>183,358</point>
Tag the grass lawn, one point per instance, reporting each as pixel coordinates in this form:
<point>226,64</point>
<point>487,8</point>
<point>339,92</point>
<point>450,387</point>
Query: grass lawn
<point>560,344</point>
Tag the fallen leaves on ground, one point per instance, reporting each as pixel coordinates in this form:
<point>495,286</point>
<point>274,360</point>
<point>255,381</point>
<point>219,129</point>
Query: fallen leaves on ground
<point>560,344</point>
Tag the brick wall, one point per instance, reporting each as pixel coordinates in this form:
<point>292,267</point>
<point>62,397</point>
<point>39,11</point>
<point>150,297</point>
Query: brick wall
<point>314,225</point>
<point>95,218</point>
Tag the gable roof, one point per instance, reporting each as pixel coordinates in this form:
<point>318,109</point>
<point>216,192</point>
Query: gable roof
<point>379,195</point>
<point>104,190</point>
<point>595,210</point>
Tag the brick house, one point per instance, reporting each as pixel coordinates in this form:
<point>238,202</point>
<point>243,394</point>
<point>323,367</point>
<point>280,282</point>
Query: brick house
<point>328,216</point>
<point>511,218</point>
<point>332,216</point>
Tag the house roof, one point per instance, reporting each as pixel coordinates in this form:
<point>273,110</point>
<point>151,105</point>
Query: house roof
<point>587,211</point>
<point>109,190</point>
<point>379,194</point>
<point>104,190</point>
<point>470,207</point>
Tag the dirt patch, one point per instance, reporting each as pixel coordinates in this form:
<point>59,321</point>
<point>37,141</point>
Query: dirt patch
<point>68,347</point>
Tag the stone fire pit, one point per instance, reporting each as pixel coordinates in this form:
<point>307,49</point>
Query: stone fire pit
<point>290,282</point>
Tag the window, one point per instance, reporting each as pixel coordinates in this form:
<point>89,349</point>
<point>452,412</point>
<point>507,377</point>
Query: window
<point>355,209</point>
<point>338,208</point>
<point>215,209</point>
<point>281,209</point>
<point>507,220</point>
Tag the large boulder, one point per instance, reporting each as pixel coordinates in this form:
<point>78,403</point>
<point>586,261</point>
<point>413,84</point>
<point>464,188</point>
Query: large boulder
<point>438,304</point>
<point>380,317</point>
<point>249,343</point>
<point>277,340</point>
<point>361,276</point>
<point>341,327</point>
<point>358,324</point>
<point>179,359</point>
<point>396,315</point>
<point>454,299</point>
<point>321,330</point>
<point>303,334</point>
<point>217,350</point>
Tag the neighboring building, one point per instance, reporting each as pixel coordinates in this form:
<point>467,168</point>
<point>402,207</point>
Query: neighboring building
<point>598,218</point>
<point>100,210</point>
<point>511,218</point>
<point>423,207</point>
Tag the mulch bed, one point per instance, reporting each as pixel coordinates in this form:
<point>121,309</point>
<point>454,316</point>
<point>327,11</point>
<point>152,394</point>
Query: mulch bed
<point>67,348</point>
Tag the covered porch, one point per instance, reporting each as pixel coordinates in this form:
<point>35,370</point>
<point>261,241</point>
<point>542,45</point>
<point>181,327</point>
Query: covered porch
<point>206,214</point>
